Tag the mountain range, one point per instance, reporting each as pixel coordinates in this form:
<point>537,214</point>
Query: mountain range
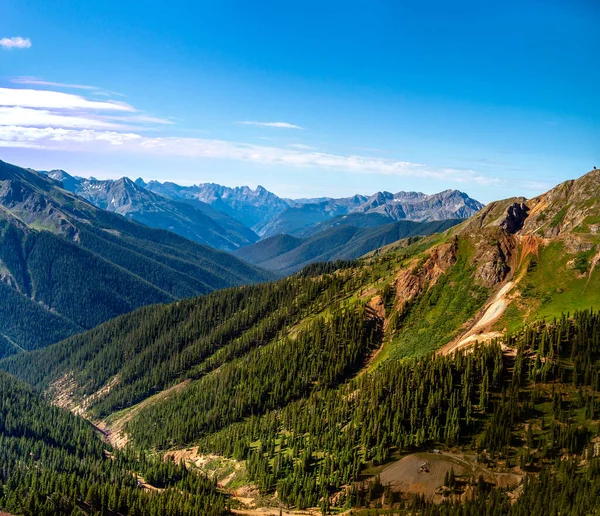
<point>300,218</point>
<point>66,238</point>
<point>192,219</point>
<point>332,387</point>
<point>269,215</point>
<point>231,218</point>
<point>66,265</point>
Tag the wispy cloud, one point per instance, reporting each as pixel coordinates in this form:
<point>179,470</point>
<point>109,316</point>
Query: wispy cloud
<point>301,146</point>
<point>45,108</point>
<point>90,139</point>
<point>44,118</point>
<point>150,120</point>
<point>15,42</point>
<point>56,100</point>
<point>34,81</point>
<point>278,125</point>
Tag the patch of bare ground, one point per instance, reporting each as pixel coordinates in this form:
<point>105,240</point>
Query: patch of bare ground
<point>424,474</point>
<point>63,394</point>
<point>480,330</point>
<point>112,430</point>
<point>274,511</point>
<point>229,473</point>
<point>593,264</point>
<point>145,485</point>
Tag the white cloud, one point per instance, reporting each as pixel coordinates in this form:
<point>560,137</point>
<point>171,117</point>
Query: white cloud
<point>39,82</point>
<point>56,138</point>
<point>53,109</point>
<point>89,139</point>
<point>42,117</point>
<point>46,99</point>
<point>144,119</point>
<point>15,42</point>
<point>301,146</point>
<point>278,125</point>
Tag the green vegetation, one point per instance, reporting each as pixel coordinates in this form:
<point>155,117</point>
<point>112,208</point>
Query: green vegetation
<point>54,464</point>
<point>483,399</point>
<point>319,381</point>
<point>158,346</point>
<point>288,254</point>
<point>558,218</point>
<point>434,318</point>
<point>67,266</point>
<point>552,286</point>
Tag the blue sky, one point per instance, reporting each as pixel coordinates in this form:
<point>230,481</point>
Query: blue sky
<point>306,98</point>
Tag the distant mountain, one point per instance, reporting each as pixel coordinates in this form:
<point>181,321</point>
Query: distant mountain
<point>253,208</point>
<point>358,220</point>
<point>194,220</point>
<point>303,215</point>
<point>66,265</point>
<point>288,254</point>
<point>220,216</point>
<point>449,204</point>
<point>269,215</point>
<point>297,219</point>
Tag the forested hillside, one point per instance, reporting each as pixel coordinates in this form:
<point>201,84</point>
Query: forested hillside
<point>339,240</point>
<point>334,386</point>
<point>54,463</point>
<point>66,266</point>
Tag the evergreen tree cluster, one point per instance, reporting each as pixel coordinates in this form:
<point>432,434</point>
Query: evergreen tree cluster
<point>156,347</point>
<point>314,446</point>
<point>311,447</point>
<point>53,463</point>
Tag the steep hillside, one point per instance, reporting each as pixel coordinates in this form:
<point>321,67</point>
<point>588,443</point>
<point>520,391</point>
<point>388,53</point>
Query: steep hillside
<point>66,266</point>
<point>54,463</point>
<point>287,254</point>
<point>194,220</point>
<point>322,381</point>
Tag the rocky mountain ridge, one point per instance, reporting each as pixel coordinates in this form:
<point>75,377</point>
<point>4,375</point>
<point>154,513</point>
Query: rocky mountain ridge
<point>194,220</point>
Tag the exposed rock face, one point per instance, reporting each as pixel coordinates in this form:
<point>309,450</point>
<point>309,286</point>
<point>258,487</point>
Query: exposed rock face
<point>494,260</point>
<point>410,282</point>
<point>571,207</point>
<point>515,217</point>
<point>449,204</point>
<point>567,212</point>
